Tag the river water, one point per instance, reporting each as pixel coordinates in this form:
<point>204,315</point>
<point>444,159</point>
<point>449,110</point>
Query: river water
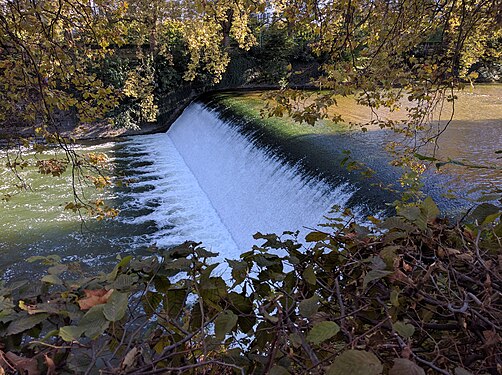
<point>204,180</point>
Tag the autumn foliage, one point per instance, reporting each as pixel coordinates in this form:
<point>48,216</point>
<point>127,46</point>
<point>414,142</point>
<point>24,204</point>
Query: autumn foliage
<point>413,294</point>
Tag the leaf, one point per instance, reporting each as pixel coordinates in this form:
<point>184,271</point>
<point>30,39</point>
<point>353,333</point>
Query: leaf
<point>404,329</point>
<point>25,323</point>
<point>410,213</point>
<point>356,362</point>
<point>322,331</point>
<point>309,306</point>
<point>239,270</point>
<point>174,302</point>
<point>57,269</point>
<point>389,254</point>
<point>483,211</point>
<point>124,281</point>
<point>162,283</point>
<point>278,370</point>
<point>94,297</point>
<point>430,209</point>
<point>424,157</point>
<point>151,301</point>
<point>130,359</point>
<point>462,371</point>
<point>224,323</point>
<point>404,366</point>
<point>94,322</point>
<point>51,366</point>
<point>52,279</point>
<point>316,236</point>
<point>374,275</point>
<point>309,275</point>
<point>116,306</point>
<point>70,333</point>
<point>28,366</point>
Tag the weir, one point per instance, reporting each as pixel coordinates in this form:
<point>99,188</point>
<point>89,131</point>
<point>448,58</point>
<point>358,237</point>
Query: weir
<point>249,188</point>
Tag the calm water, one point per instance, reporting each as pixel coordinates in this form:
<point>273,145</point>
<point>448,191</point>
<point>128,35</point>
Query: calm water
<point>205,181</point>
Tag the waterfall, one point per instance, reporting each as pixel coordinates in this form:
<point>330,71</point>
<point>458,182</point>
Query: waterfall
<point>250,188</point>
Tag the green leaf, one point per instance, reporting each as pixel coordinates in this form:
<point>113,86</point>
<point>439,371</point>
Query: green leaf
<point>394,297</point>
<point>404,329</point>
<point>424,157</point>
<point>309,275</point>
<point>309,306</point>
<point>322,331</point>
<point>316,236</point>
<point>356,362</point>
<point>483,211</point>
<point>123,281</point>
<point>491,218</point>
<point>430,209</point>
<point>174,301</point>
<point>388,254</point>
<point>25,323</point>
<point>374,275</point>
<point>94,323</point>
<point>404,366</point>
<point>52,279</point>
<point>224,323</point>
<point>239,270</point>
<point>151,301</point>
<point>161,283</point>
<point>70,333</point>
<point>116,306</point>
<point>410,213</point>
<point>57,269</point>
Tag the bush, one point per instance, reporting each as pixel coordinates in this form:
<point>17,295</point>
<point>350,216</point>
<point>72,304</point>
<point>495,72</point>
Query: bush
<point>413,294</point>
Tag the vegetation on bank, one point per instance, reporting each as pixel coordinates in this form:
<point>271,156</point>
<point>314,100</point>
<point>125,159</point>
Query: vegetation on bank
<point>413,294</point>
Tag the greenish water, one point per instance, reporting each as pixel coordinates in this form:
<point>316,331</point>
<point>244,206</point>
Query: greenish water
<point>33,221</point>
<point>473,137</point>
<point>179,192</point>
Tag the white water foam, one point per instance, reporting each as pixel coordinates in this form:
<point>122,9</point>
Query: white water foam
<point>213,184</point>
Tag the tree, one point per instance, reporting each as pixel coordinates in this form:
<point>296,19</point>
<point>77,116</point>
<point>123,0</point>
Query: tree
<point>409,55</point>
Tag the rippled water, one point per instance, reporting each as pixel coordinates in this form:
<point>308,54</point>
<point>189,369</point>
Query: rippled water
<point>205,181</point>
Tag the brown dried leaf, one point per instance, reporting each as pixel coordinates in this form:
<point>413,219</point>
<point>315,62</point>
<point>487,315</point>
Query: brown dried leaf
<point>51,366</point>
<point>94,297</point>
<point>23,365</point>
<point>130,358</point>
<point>492,338</point>
<point>399,275</point>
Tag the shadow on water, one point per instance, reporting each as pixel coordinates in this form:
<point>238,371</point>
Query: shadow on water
<point>454,188</point>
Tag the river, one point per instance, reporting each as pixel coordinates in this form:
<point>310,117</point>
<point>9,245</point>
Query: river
<point>207,180</point>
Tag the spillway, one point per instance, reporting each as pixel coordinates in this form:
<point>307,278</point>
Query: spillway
<point>212,183</point>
